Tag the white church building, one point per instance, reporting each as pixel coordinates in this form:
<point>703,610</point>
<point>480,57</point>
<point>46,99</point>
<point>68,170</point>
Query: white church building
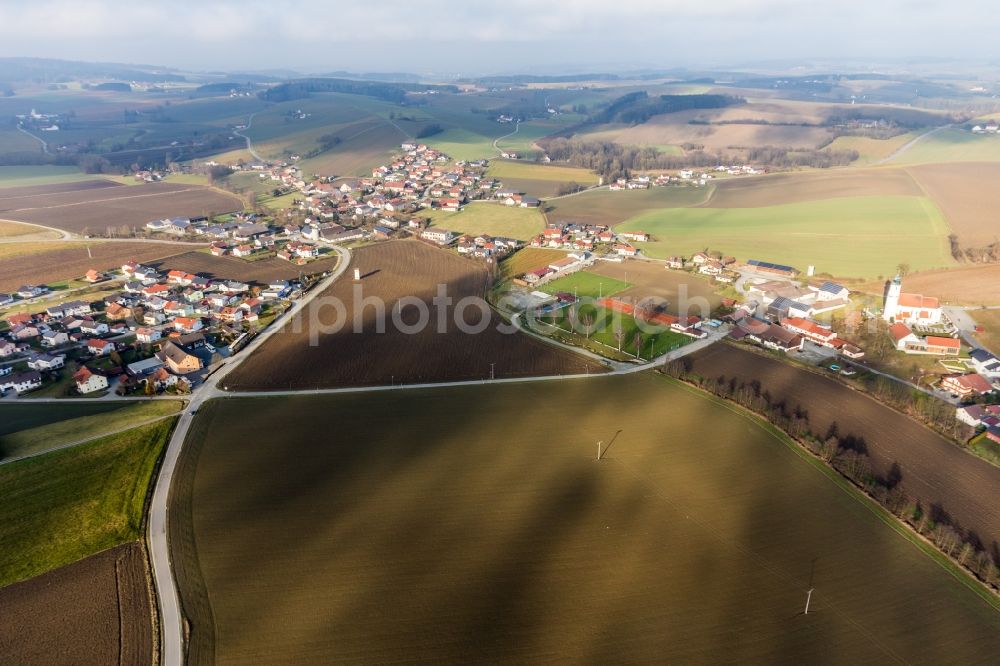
<point>910,309</point>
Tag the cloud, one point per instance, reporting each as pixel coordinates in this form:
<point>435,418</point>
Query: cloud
<point>436,33</point>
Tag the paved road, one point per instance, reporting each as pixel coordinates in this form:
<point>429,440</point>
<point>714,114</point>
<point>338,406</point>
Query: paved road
<point>171,620</point>
<point>239,133</point>
<point>45,144</point>
<point>517,126</point>
<point>909,144</point>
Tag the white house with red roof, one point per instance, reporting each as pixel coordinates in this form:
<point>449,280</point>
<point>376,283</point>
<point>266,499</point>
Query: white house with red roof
<point>965,386</point>
<point>910,309</point>
<point>88,381</point>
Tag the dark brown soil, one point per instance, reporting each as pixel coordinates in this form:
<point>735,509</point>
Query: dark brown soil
<point>95,611</point>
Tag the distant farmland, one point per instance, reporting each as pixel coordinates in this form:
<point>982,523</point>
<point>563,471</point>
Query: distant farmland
<point>539,180</point>
<point>606,207</point>
<point>863,236</point>
<point>474,525</point>
<point>96,205</point>
<point>392,271</point>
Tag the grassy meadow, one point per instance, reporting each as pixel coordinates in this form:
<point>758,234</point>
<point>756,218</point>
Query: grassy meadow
<point>494,219</point>
<point>845,237</point>
<point>693,540</point>
<point>539,180</point>
<point>65,505</point>
<point>952,145</point>
<point>27,430</point>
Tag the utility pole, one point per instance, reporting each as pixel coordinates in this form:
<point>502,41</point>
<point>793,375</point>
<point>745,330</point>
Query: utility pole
<point>809,596</point>
<point>492,376</point>
<point>599,449</point>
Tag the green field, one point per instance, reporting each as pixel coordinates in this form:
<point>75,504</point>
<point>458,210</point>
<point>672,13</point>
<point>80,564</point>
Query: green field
<point>986,448</point>
<point>61,507</point>
<point>584,284</point>
<point>694,540</point>
<point>653,340</point>
<point>606,207</point>
<point>846,237</point>
<point>539,180</point>
<point>24,176</point>
<point>494,219</point>
<point>32,429</point>
<point>952,145</point>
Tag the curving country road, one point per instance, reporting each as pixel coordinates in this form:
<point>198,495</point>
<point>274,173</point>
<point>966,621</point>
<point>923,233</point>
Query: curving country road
<point>171,620</point>
<point>240,134</point>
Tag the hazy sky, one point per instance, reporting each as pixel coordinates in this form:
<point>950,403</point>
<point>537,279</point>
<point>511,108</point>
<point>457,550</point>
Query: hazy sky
<point>504,36</point>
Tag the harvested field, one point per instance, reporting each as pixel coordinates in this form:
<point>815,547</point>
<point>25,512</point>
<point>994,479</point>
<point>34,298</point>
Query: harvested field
<point>606,207</point>
<point>967,195</point>
<point>528,259</point>
<point>11,229</point>
<point>935,471</point>
<point>94,611</point>
<point>87,206</point>
<point>649,279</point>
<point>392,271</point>
<point>473,525</point>
<point>538,180</point>
<point>785,188</point>
<point>17,196</point>
<point>966,284</point>
<point>260,271</point>
<point>41,263</point>
<point>670,130</point>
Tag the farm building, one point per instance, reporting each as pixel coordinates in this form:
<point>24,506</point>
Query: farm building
<point>768,267</point>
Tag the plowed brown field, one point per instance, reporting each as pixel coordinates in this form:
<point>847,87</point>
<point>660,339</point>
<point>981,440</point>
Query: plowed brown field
<point>967,195</point>
<point>99,205</point>
<point>935,471</point>
<point>95,611</point>
<point>41,263</point>
<point>392,271</point>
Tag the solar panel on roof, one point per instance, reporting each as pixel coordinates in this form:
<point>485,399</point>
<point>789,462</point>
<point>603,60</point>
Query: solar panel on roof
<point>769,265</point>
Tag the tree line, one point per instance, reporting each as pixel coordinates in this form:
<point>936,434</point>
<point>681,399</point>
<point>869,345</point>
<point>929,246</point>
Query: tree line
<point>848,454</point>
<point>613,161</point>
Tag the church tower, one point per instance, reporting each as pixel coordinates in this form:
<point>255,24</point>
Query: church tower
<point>892,298</point>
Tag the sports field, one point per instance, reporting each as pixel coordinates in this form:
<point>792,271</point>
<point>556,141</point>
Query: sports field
<point>493,219</point>
<point>538,180</point>
<point>694,539</point>
<point>846,237</point>
<point>586,284</point>
<point>611,334</point>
